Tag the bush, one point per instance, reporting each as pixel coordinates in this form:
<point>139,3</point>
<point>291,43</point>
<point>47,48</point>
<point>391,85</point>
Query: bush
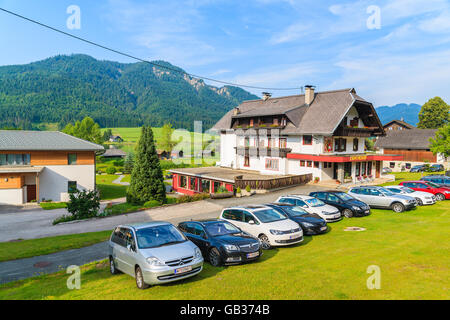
<point>152,204</point>
<point>111,170</point>
<point>238,190</point>
<point>82,205</point>
<point>222,189</point>
<point>118,163</point>
<point>248,189</point>
<point>195,197</point>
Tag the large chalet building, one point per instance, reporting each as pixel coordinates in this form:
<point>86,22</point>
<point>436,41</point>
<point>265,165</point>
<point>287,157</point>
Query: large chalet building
<point>319,134</point>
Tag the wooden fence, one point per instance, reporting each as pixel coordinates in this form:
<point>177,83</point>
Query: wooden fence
<point>272,183</point>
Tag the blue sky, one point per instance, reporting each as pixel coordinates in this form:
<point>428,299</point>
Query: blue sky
<point>273,43</point>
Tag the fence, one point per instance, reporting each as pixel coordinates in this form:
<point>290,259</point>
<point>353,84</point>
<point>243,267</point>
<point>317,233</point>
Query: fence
<point>275,183</point>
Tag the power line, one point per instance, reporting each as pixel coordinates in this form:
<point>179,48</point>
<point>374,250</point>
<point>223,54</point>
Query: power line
<point>137,58</point>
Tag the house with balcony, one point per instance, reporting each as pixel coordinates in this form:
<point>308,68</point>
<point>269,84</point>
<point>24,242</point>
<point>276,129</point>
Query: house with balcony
<point>44,165</point>
<point>319,135</point>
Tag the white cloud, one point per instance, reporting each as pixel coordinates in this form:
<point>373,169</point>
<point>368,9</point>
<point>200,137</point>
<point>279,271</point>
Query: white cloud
<point>291,33</point>
<point>438,24</point>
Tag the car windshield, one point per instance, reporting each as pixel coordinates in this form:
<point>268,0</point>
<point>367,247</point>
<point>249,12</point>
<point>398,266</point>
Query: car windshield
<point>315,202</point>
<point>221,228</point>
<point>294,211</point>
<point>386,192</point>
<point>158,236</point>
<point>408,190</point>
<point>344,196</point>
<point>268,215</point>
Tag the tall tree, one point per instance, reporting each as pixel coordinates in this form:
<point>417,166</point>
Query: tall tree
<point>434,114</point>
<point>107,135</point>
<point>147,181</point>
<point>87,129</point>
<point>441,142</point>
<point>166,143</point>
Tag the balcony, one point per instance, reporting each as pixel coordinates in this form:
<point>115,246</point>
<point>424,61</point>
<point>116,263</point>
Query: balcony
<point>262,151</point>
<point>365,132</point>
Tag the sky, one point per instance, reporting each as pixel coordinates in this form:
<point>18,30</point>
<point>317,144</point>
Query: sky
<point>401,55</point>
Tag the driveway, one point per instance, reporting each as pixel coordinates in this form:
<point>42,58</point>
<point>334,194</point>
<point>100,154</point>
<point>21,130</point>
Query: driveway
<point>37,223</point>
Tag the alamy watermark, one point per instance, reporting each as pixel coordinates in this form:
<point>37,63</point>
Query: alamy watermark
<point>74,20</point>
<point>74,281</point>
<point>374,19</point>
<point>374,281</point>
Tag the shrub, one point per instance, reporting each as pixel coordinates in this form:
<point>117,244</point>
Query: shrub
<point>118,163</point>
<point>238,190</point>
<point>195,197</point>
<point>82,205</point>
<point>222,189</point>
<point>152,204</point>
<point>248,189</point>
<point>111,170</point>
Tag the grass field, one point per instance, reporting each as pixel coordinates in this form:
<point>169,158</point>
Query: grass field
<point>37,247</point>
<point>108,190</point>
<point>411,249</point>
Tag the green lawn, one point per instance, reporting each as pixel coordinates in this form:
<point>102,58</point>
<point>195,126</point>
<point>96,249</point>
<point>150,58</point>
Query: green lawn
<point>411,249</point>
<point>36,247</point>
<point>108,190</point>
<point>53,205</point>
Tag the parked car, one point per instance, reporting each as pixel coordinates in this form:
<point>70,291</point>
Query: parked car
<point>437,168</point>
<point>348,205</point>
<point>221,242</point>
<point>379,197</point>
<point>311,223</point>
<point>418,168</point>
<point>441,180</point>
<point>268,225</point>
<point>313,205</point>
<point>386,170</point>
<point>441,193</point>
<point>422,198</point>
<point>153,253</point>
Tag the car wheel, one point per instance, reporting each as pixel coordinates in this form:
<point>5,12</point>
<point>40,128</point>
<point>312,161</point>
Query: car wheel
<point>398,207</point>
<point>419,201</point>
<point>112,266</point>
<point>348,213</point>
<point>140,279</point>
<point>265,243</point>
<point>214,257</point>
<point>440,197</point>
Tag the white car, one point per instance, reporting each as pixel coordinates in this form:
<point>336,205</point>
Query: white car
<point>313,205</point>
<point>423,198</point>
<point>268,225</point>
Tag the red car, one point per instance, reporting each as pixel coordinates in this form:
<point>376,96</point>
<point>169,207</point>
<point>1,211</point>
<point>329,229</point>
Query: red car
<point>441,193</point>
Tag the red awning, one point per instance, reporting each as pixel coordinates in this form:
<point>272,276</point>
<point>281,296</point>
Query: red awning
<point>346,158</point>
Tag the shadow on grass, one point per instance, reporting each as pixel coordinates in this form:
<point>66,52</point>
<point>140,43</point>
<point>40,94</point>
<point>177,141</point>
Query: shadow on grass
<point>109,192</point>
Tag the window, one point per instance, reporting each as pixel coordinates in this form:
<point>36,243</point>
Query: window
<point>369,168</point>
<point>206,184</point>
<point>247,142</point>
<point>392,165</point>
<point>354,122</point>
<point>248,217</point>
<point>321,196</point>
<point>307,140</point>
<point>284,122</point>
<point>287,200</point>
<point>332,197</point>
<point>216,186</point>
<point>272,164</point>
<point>246,161</point>
<point>193,184</point>
<point>325,165</point>
<point>355,144</point>
<point>14,159</point>
<point>357,169</point>
<point>272,143</point>
<point>340,145</point>
<point>316,164</point>
<point>363,168</point>
<point>235,215</point>
<point>375,192</point>
<point>275,121</point>
<point>198,230</point>
<point>408,165</point>
<point>118,237</point>
<point>309,164</point>
<point>72,187</point>
<point>302,163</point>
<point>283,143</point>
<point>183,182</point>
<point>251,122</point>
<point>72,158</point>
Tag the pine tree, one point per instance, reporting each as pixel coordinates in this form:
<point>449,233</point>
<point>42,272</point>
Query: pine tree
<point>129,163</point>
<point>147,181</point>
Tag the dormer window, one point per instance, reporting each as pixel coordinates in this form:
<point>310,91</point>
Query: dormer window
<point>275,121</point>
<point>284,122</point>
<point>251,122</point>
<point>354,122</point>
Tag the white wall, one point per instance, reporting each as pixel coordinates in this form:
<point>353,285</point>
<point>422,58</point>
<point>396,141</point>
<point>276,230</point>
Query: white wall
<point>53,180</point>
<point>12,196</point>
<point>227,151</point>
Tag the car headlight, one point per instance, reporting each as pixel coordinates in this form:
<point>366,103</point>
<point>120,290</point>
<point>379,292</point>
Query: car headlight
<point>154,262</point>
<point>307,224</point>
<point>231,247</point>
<point>198,253</point>
<point>276,232</point>
<point>356,208</point>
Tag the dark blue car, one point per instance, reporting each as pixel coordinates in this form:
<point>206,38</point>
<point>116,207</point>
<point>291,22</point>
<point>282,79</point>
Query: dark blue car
<point>310,223</point>
<point>347,205</point>
<point>222,242</point>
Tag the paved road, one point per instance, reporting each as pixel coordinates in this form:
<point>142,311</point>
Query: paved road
<point>38,224</point>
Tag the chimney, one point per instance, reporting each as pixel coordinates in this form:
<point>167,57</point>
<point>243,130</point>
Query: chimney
<point>266,95</point>
<point>236,111</point>
<point>309,94</point>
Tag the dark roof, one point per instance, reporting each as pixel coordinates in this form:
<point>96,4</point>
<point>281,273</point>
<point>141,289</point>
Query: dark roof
<point>417,139</point>
<point>43,141</point>
<point>114,153</point>
<point>322,116</point>
<point>400,122</point>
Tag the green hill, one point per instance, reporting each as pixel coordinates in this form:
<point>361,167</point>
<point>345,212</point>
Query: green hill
<point>63,89</point>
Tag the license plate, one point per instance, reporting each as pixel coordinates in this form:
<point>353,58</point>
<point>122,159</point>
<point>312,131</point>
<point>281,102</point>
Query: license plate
<point>293,237</point>
<point>323,228</point>
<point>183,270</point>
<point>252,255</point>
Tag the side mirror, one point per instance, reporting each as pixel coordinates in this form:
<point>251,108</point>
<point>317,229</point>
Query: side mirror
<point>130,247</point>
<point>251,222</point>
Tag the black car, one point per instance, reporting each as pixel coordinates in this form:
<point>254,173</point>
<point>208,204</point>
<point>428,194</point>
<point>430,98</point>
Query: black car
<point>222,242</point>
<point>418,168</point>
<point>311,223</point>
<point>348,205</point>
<point>440,180</point>
<point>437,168</point>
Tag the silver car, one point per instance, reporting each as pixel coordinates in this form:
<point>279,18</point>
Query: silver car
<point>153,253</point>
<point>379,197</point>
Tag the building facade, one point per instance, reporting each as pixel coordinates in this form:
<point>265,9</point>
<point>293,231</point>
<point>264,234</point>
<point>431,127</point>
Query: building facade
<point>321,133</point>
<point>44,165</point>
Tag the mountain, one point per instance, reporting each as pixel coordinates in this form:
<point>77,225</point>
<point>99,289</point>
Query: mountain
<point>64,89</point>
<point>409,113</point>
